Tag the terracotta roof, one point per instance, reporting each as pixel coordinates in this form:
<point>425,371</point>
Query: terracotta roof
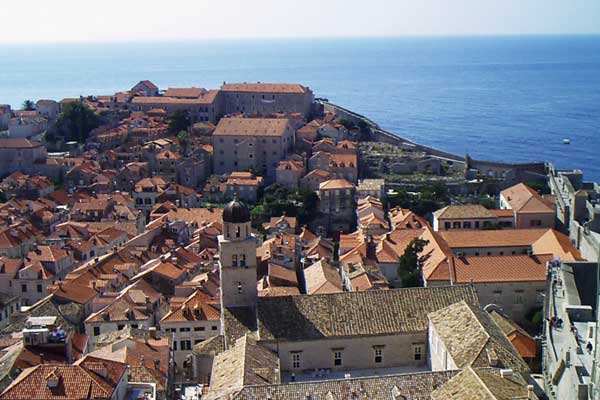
<point>520,339</point>
<point>264,87</point>
<point>557,244</point>
<point>335,184</point>
<point>185,92</point>
<point>197,307</point>
<point>282,275</point>
<point>509,268</point>
<point>148,359</point>
<point>351,313</point>
<point>75,292</point>
<point>166,155</point>
<point>470,211</point>
<point>524,199</point>
<point>235,126</point>
<point>503,213</point>
<point>19,144</point>
<point>492,238</point>
<point>322,278</point>
<point>89,378</point>
<point>123,308</point>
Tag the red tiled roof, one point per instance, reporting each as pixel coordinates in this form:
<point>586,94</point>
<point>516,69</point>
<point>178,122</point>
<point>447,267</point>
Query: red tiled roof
<point>264,87</point>
<point>511,268</point>
<point>90,378</point>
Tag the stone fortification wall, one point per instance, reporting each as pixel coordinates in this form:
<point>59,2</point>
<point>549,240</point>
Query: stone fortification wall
<point>382,135</point>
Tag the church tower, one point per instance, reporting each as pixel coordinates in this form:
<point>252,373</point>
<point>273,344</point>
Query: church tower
<point>237,258</point>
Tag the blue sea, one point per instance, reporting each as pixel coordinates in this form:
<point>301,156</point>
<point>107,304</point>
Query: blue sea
<point>512,98</point>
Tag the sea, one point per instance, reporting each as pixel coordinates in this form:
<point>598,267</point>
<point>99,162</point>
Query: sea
<point>500,98</point>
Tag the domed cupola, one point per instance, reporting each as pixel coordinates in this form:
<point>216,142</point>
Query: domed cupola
<point>236,212</point>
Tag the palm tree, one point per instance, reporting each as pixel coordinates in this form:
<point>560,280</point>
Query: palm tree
<point>28,105</point>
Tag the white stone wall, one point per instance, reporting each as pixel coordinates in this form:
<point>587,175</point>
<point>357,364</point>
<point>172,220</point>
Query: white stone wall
<point>357,352</point>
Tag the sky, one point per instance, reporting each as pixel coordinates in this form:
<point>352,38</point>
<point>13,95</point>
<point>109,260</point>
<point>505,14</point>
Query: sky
<point>39,21</point>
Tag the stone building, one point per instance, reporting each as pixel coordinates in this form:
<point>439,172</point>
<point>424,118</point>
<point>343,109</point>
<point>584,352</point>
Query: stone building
<point>336,203</point>
<point>20,155</point>
<point>530,209</point>
<point>266,98</point>
<point>257,144</point>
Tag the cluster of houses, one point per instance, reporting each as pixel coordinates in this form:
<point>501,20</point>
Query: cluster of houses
<point>131,269</point>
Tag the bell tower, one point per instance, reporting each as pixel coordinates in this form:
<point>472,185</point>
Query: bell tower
<point>237,257</point>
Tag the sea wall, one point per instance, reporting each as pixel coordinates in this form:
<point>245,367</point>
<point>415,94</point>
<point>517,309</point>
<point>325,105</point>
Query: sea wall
<point>381,135</point>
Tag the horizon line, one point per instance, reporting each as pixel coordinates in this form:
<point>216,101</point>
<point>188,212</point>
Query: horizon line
<point>283,38</point>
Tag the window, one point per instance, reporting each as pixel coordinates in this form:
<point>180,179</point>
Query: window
<point>518,297</point>
<point>199,329</point>
<point>456,225</point>
<point>476,224</point>
<point>214,327</point>
<point>39,288</point>
<point>198,341</point>
<point>134,326</point>
<point>120,327</point>
<point>296,360</point>
<point>535,222</point>
<point>243,259</point>
<point>174,345</point>
<point>378,355</point>
<point>467,225</point>
<point>418,352</point>
<point>234,260</point>
<point>337,358</point>
<point>186,345</point>
<point>24,288</point>
<point>96,330</point>
<point>240,288</point>
<point>447,225</point>
<point>185,329</point>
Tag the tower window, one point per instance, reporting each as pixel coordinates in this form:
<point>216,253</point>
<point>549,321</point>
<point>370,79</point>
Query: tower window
<point>296,360</point>
<point>337,358</point>
<point>378,355</point>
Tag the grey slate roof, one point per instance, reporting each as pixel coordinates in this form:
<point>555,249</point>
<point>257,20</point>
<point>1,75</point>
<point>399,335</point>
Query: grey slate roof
<point>483,384</point>
<point>378,312</point>
<point>416,386</point>
<point>472,337</point>
<point>237,322</point>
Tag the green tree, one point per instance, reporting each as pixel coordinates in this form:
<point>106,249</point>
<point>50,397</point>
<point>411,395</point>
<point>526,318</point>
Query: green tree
<point>179,121</point>
<point>487,202</point>
<point>28,105</point>
<point>184,140</point>
<point>76,121</point>
<point>410,263</point>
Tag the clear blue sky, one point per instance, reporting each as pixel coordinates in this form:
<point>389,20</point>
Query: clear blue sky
<point>127,20</point>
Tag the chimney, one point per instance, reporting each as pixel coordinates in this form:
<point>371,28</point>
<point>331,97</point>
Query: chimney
<point>371,248</point>
<point>506,373</point>
<point>153,333</point>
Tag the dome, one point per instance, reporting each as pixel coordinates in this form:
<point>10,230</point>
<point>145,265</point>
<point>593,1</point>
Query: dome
<point>236,212</point>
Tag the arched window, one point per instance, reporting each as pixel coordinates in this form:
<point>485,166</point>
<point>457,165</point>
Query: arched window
<point>237,232</point>
<point>234,260</point>
<point>243,260</point>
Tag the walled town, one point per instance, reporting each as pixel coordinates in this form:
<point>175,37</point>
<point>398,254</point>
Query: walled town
<point>256,242</point>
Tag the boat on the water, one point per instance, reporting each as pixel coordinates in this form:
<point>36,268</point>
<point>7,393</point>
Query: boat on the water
<point>566,141</point>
